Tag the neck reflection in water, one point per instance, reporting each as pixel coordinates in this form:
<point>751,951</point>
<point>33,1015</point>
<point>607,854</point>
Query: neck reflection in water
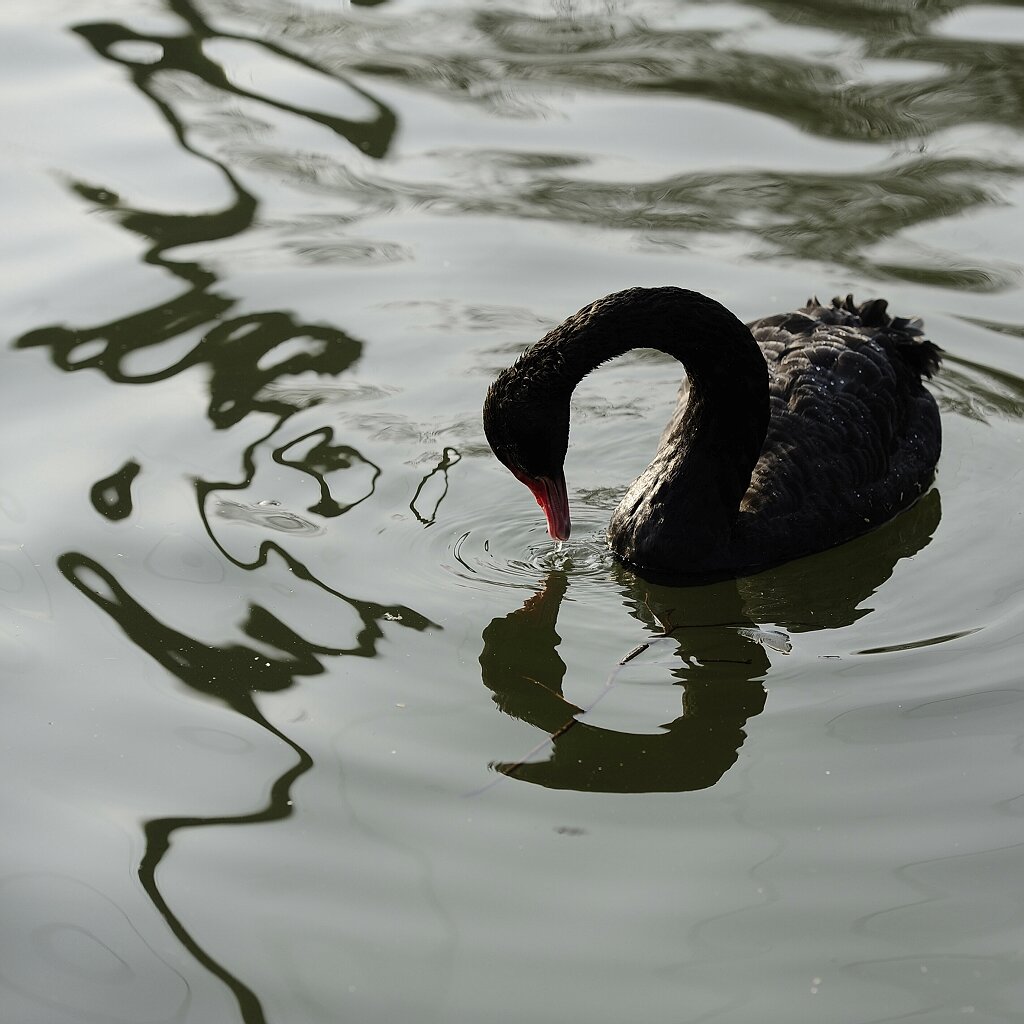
<point>724,658</point>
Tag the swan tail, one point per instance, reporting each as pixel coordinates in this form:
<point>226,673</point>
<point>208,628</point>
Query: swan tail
<point>904,334</point>
<point>920,354</point>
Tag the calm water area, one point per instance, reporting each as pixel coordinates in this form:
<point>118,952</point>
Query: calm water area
<point>303,718</point>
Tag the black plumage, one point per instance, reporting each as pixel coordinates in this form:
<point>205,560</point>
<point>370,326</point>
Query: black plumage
<point>792,434</point>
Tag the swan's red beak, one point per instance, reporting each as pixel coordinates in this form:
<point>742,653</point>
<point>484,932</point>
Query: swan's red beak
<point>552,497</point>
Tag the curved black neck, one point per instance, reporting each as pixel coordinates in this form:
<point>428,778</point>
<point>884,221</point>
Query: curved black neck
<point>713,345</point>
<point>692,491</point>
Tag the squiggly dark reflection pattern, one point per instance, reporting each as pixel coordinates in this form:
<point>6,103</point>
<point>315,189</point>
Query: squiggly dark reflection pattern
<point>234,674</point>
<point>721,671</point>
<point>425,509</point>
<point>314,454</point>
<point>980,392</point>
<point>619,48</point>
<point>234,348</point>
<point>320,461</point>
<point>112,496</point>
<point>185,53</point>
<point>847,215</point>
<point>238,349</point>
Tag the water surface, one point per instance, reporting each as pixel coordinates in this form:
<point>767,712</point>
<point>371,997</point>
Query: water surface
<point>303,718</point>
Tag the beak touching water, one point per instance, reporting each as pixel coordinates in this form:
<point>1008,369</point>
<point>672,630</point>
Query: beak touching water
<point>552,497</point>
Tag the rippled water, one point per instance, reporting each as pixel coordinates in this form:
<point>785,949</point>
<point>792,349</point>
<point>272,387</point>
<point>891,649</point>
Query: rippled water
<point>304,720</point>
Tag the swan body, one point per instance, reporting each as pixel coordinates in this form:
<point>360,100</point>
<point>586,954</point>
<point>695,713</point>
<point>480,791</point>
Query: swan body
<point>792,434</point>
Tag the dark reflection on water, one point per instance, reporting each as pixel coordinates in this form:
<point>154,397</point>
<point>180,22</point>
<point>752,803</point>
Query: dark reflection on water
<point>112,496</point>
<point>424,504</point>
<point>248,358</point>
<point>314,454</point>
<point>184,53</point>
<point>831,217</point>
<point>521,666</point>
<point>322,459</point>
<point>804,83</point>
<point>979,392</point>
<point>845,215</point>
<point>235,349</point>
<point>233,674</point>
<point>240,354</point>
<point>723,661</point>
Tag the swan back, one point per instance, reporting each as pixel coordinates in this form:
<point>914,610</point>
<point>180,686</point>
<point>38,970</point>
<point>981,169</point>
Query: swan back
<point>853,437</point>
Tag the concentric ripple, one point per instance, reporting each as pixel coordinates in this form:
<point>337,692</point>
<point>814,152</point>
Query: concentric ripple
<point>517,551</point>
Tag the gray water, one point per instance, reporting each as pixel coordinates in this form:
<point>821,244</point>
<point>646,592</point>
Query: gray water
<point>304,720</point>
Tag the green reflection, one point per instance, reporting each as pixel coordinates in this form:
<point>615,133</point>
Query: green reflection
<point>979,392</point>
<point>237,348</point>
<point>521,666</point>
<point>723,662</point>
<point>235,351</point>
<point>112,496</point>
<point>623,51</point>
<point>185,53</point>
<point>232,673</point>
<point>323,459</point>
<point>314,453</point>
<point>424,505</point>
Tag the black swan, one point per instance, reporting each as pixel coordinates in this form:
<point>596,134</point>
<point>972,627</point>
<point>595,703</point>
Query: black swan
<point>792,434</point>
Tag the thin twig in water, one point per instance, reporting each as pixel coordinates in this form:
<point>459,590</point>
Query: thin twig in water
<point>776,640</point>
<point>548,741</point>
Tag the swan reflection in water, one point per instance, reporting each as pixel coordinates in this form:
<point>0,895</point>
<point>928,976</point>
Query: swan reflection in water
<point>724,658</point>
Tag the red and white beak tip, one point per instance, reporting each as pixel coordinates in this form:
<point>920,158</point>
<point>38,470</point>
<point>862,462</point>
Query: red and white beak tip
<point>553,499</point>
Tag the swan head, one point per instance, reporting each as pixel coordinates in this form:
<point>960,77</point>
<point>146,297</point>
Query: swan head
<point>529,438</point>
